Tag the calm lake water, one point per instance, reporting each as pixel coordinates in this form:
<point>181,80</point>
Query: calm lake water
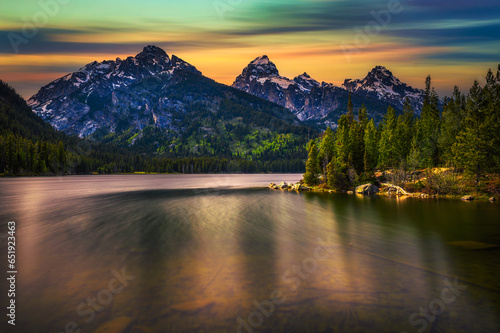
<point>221,253</point>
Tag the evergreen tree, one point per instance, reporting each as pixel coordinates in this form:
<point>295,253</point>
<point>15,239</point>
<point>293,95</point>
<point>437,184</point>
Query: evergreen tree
<point>311,177</point>
<point>350,110</point>
<point>388,146</point>
<point>356,140</point>
<point>453,115</point>
<point>356,147</point>
<point>428,127</point>
<point>327,149</point>
<point>338,175</point>
<point>342,143</point>
<point>61,157</point>
<point>474,145</point>
<point>405,131</point>
<point>371,148</point>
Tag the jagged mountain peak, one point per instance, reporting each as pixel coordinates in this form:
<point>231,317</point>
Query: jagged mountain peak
<point>260,67</point>
<point>305,82</point>
<point>312,100</point>
<point>381,69</point>
<point>153,49</point>
<point>152,52</point>
<point>382,74</point>
<point>96,82</point>
<point>262,60</point>
<point>380,83</point>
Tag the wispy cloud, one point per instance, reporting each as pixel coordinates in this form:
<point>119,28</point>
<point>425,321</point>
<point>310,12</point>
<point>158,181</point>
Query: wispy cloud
<point>427,36</point>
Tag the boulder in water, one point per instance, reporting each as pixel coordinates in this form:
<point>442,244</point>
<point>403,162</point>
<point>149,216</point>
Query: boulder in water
<point>367,189</point>
<point>283,185</point>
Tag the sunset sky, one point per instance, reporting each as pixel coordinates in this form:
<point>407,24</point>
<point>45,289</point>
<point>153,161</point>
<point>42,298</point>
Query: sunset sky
<point>455,41</point>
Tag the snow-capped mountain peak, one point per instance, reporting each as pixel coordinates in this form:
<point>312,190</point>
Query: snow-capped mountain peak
<point>310,100</point>
<point>381,84</point>
<point>306,82</point>
<point>96,80</point>
<point>260,67</point>
<point>262,60</point>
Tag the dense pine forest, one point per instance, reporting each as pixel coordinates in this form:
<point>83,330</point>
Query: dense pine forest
<point>30,146</point>
<point>448,151</point>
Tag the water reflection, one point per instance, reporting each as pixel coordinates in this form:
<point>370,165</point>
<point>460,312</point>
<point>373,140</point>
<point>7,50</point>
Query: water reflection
<point>203,256</point>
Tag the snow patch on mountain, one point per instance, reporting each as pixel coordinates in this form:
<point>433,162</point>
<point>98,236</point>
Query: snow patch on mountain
<point>92,86</point>
<point>381,84</point>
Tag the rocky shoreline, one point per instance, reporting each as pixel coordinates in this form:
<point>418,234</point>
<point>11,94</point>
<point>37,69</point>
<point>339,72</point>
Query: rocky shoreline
<point>386,189</point>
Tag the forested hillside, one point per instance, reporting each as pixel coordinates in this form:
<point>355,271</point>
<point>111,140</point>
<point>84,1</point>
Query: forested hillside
<point>30,146</point>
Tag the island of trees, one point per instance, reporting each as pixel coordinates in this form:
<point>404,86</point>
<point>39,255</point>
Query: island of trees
<point>439,152</point>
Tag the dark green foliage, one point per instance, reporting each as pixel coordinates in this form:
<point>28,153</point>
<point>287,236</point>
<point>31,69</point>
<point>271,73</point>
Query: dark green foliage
<point>428,127</point>
<point>338,175</point>
<point>370,156</point>
<point>239,143</point>
<point>350,110</point>
<point>311,177</point>
<point>342,144</point>
<point>388,145</point>
<point>327,149</point>
<point>452,125</point>
<point>467,136</point>
<point>476,147</point>
<point>405,131</point>
<point>356,140</point>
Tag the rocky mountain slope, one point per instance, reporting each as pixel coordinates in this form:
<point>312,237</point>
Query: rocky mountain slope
<point>325,102</point>
<point>381,84</point>
<point>89,99</point>
<point>154,103</point>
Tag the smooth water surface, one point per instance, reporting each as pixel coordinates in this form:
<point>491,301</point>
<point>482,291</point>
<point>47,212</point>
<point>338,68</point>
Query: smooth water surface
<point>221,253</point>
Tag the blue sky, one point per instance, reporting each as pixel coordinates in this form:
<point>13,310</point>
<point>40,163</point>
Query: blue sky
<point>454,41</point>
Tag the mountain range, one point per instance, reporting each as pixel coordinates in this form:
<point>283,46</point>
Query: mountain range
<point>98,94</point>
<point>324,102</point>
<point>163,98</point>
<point>156,104</point>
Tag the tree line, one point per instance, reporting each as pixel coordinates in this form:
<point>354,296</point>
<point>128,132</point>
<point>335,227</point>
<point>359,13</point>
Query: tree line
<point>30,146</point>
<point>21,156</point>
<point>464,136</point>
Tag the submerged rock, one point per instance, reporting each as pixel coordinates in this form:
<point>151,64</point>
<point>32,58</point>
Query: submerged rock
<point>289,186</point>
<point>273,186</point>
<point>367,189</point>
<point>117,325</point>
